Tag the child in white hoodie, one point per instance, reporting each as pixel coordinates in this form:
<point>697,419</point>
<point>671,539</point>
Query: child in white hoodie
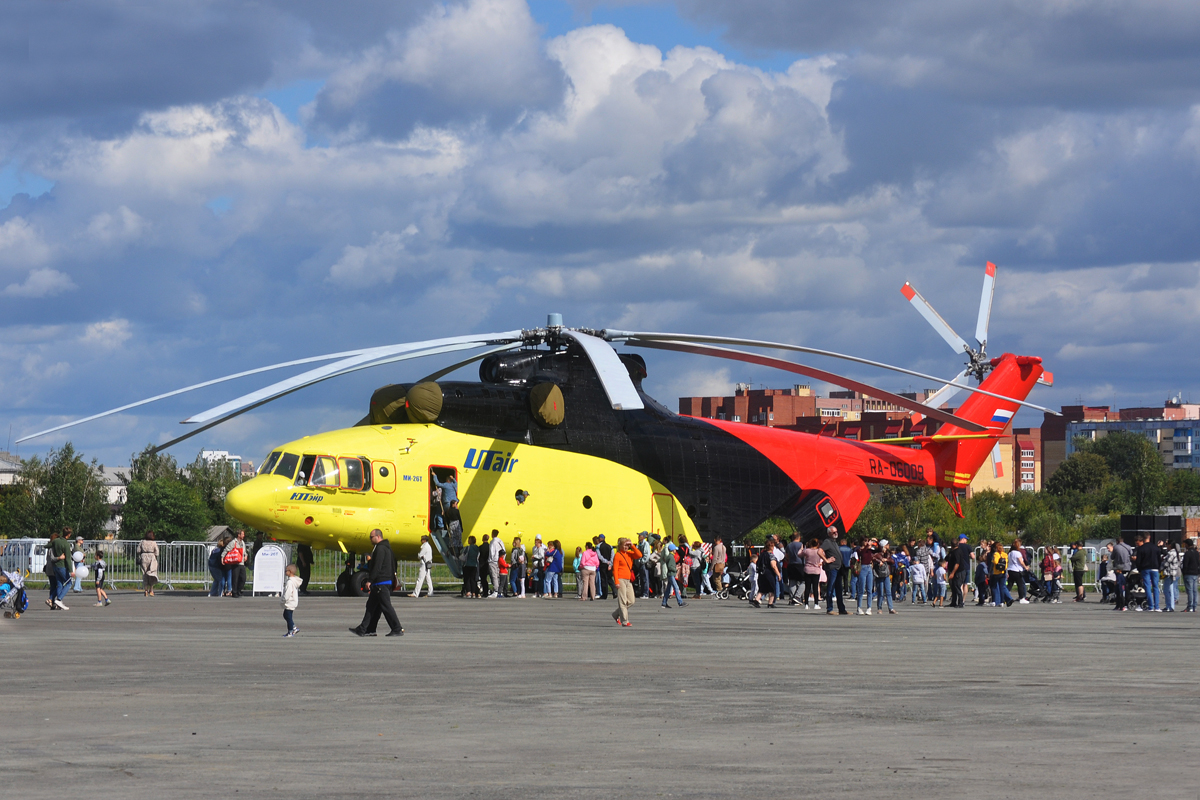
<point>291,598</point>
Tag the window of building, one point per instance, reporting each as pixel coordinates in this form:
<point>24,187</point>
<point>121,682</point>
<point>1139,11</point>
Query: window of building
<point>1026,465</point>
<point>1026,476</point>
<point>771,415</point>
<point>1027,487</point>
<point>737,417</point>
<point>1026,454</point>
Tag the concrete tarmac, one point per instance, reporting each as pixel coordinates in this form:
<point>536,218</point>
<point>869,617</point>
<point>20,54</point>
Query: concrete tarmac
<point>185,696</point>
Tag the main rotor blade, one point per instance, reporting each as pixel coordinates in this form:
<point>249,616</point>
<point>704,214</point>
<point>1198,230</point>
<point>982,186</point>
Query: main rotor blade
<point>354,368</point>
<point>631,337</point>
<point>812,372</point>
<point>441,373</point>
<point>985,304</point>
<point>956,342</point>
<point>367,358</point>
<point>614,376</point>
<point>191,388</point>
<point>943,395</point>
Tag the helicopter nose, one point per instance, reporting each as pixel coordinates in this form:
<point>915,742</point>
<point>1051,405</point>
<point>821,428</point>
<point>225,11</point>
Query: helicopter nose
<point>250,503</point>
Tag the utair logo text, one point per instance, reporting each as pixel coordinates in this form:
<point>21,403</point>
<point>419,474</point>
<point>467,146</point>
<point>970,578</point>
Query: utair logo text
<point>490,460</point>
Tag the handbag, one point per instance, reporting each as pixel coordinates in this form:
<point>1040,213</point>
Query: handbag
<point>233,557</point>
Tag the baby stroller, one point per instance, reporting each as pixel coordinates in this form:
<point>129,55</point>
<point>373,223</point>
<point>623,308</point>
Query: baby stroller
<point>1037,590</point>
<point>737,585</point>
<point>13,599</point>
<point>1135,592</point>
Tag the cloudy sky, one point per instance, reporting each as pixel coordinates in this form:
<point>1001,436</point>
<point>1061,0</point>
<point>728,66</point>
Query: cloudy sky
<point>189,189</point>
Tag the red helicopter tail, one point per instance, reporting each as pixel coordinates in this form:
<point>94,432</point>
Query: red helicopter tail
<point>957,460</point>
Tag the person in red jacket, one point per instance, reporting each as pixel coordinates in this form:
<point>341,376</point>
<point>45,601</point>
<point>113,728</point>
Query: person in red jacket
<point>622,568</point>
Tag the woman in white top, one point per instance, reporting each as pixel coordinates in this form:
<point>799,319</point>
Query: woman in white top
<point>1016,569</point>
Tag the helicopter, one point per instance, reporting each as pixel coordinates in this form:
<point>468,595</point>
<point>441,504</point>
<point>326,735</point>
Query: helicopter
<point>558,439</point>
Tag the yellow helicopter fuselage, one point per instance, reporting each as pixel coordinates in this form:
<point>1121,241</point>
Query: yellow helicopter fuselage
<point>381,476</point>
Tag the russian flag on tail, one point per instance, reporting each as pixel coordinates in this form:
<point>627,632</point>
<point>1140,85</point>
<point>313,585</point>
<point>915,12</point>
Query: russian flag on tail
<point>1002,417</point>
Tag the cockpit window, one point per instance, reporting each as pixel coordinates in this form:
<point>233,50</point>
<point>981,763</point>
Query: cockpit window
<point>306,468</point>
<point>325,472</point>
<point>269,464</point>
<point>287,465</point>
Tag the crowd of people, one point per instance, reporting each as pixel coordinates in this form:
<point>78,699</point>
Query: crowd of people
<point>662,568</point>
<point>874,573</point>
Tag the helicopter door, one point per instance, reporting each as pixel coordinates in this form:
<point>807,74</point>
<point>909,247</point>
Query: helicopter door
<point>447,538</point>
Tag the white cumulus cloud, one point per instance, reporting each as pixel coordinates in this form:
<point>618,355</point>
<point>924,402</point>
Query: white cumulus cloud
<point>41,283</point>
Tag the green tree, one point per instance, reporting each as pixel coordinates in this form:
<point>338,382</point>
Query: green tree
<point>1082,473</point>
<point>1134,460</point>
<point>149,465</point>
<point>1183,488</point>
<point>212,480</point>
<point>778,526</point>
<point>166,506</point>
<point>61,491</point>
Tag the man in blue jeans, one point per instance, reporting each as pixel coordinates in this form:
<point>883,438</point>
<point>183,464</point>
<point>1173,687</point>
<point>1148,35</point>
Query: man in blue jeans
<point>1147,559</point>
<point>58,557</point>
<point>833,564</point>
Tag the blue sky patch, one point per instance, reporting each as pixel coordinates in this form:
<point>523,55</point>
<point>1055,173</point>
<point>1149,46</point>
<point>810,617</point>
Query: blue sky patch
<point>15,181</point>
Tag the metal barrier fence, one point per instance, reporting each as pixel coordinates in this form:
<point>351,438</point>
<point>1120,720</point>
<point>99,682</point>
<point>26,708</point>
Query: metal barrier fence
<point>184,565</point>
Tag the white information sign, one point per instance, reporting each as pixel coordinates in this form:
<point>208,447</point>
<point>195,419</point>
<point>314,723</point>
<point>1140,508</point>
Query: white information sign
<point>268,570</point>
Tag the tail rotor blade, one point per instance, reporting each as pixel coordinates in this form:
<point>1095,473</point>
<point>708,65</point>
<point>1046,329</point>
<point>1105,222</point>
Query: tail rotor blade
<point>943,395</point>
<point>997,462</point>
<point>956,342</point>
<point>985,304</point>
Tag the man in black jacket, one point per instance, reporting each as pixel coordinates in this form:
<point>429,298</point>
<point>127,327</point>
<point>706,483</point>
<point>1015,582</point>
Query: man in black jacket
<point>833,565</point>
<point>380,576</point>
<point>960,571</point>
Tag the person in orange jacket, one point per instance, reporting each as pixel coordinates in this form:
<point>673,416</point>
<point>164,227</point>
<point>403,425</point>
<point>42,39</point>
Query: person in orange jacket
<point>623,576</point>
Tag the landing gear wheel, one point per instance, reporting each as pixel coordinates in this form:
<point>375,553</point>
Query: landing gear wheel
<point>356,587</point>
<point>342,584</point>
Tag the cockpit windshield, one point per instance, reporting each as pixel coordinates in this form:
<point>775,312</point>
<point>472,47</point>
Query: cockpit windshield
<point>287,465</point>
<point>269,464</point>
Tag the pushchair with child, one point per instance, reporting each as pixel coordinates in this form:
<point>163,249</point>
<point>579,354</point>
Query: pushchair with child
<point>1037,589</point>
<point>737,584</point>
<point>1135,592</point>
<point>13,599</point>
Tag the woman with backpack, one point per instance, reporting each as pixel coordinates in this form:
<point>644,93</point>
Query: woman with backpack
<point>882,567</point>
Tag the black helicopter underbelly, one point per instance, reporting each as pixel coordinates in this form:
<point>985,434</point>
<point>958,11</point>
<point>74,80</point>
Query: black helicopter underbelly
<point>725,485</point>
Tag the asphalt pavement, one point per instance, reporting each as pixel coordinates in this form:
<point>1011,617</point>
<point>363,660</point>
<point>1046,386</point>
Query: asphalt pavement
<point>185,696</point>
